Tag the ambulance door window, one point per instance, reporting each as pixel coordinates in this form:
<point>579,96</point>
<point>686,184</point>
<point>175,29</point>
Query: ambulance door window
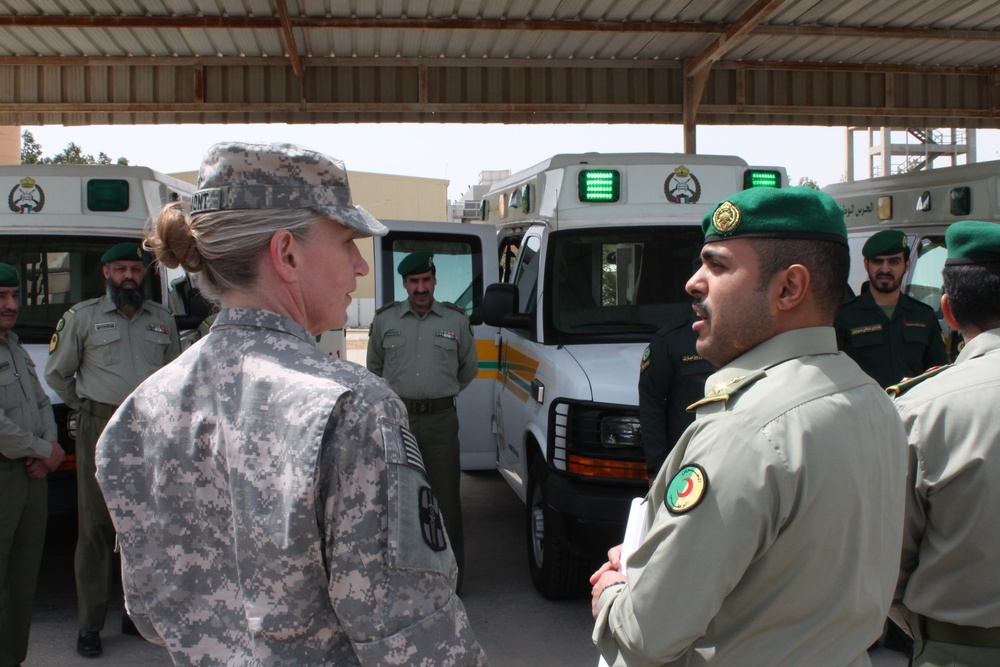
<point>526,275</point>
<point>925,274</point>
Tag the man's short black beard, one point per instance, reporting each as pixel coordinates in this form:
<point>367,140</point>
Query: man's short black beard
<point>130,298</point>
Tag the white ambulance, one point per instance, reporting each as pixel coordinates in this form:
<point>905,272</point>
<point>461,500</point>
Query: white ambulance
<point>594,252</point>
<point>55,223</point>
<point>922,205</point>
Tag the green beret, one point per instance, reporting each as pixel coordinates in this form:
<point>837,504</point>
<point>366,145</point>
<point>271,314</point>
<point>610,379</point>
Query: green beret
<point>8,276</point>
<point>973,242</point>
<point>129,250</point>
<point>776,213</point>
<point>886,242</point>
<point>416,262</point>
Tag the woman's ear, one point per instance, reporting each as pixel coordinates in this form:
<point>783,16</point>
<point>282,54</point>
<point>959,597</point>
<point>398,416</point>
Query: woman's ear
<point>284,255</point>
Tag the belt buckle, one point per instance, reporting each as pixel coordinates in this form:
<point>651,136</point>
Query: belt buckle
<point>421,407</point>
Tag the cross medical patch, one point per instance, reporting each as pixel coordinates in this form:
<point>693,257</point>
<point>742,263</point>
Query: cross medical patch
<point>431,523</point>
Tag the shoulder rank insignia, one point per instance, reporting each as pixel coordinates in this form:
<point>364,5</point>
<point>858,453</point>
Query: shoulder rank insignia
<point>386,307</point>
<point>454,306</point>
<point>906,384</point>
<point>725,390</point>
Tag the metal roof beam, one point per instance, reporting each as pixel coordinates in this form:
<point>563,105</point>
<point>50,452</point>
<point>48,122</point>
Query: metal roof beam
<point>289,36</point>
<point>314,23</point>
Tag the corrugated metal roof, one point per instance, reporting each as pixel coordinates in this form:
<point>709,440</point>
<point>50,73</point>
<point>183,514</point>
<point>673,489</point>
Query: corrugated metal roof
<point>892,62</point>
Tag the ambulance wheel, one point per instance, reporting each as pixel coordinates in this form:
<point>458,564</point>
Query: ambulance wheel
<point>556,572</point>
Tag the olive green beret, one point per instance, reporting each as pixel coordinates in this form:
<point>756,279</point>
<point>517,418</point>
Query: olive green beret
<point>973,242</point>
<point>886,242</point>
<point>8,276</point>
<point>416,262</point>
<point>776,213</point>
<point>128,250</point>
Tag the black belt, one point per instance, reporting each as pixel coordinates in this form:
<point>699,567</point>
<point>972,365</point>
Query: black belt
<point>966,635</point>
<point>429,406</point>
<point>99,410</point>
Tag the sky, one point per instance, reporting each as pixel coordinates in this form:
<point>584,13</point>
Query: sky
<point>458,153</point>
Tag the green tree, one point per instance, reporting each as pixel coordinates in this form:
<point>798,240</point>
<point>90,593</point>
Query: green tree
<point>31,153</point>
<point>808,182</point>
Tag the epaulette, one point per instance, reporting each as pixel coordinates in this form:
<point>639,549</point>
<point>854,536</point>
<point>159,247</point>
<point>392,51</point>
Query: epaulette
<point>906,384</point>
<point>83,304</point>
<point>454,306</point>
<point>726,390</point>
<point>386,307</point>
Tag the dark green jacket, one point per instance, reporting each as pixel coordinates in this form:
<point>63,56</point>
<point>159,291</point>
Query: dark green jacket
<point>887,350</point>
<point>671,377</point>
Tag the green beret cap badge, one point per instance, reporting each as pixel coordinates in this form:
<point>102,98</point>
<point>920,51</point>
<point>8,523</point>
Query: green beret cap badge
<point>885,242</point>
<point>726,217</point>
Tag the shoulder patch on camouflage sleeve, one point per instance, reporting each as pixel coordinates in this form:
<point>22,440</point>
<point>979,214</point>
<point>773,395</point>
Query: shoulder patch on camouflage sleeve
<point>906,384</point>
<point>726,390</point>
<point>411,450</point>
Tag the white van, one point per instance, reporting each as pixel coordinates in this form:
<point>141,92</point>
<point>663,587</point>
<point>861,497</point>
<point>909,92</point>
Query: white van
<point>56,223</point>
<point>922,205</point>
<point>593,254</point>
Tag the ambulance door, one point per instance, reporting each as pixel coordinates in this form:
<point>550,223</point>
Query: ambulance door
<point>466,260</point>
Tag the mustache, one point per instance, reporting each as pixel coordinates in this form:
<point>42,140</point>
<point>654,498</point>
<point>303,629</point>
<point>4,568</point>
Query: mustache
<point>8,312</point>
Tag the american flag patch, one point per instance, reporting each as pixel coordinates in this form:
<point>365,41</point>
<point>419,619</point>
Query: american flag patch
<point>412,451</point>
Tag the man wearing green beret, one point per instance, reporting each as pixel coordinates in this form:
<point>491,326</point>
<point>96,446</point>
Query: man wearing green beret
<point>426,351</point>
<point>773,529</point>
<point>29,451</point>
<point>949,585</point>
<point>101,350</point>
<point>889,334</point>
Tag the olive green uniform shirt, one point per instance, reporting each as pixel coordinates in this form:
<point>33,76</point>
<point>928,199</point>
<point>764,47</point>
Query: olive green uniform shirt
<point>99,354</point>
<point>790,556</point>
<point>951,544</point>
<point>27,426</point>
<point>889,350</point>
<point>432,355</point>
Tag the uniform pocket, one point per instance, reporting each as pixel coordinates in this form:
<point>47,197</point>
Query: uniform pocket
<point>157,343</point>
<point>106,345</point>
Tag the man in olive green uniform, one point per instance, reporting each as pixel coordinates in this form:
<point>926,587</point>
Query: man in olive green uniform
<point>671,377</point>
<point>100,352</point>
<point>28,452</point>
<point>949,585</point>
<point>772,528</point>
<point>889,334</point>
<point>426,351</point>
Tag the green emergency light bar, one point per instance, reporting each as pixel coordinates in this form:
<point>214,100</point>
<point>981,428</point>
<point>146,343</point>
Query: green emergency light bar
<point>761,178</point>
<point>600,185</point>
<point>107,194</point>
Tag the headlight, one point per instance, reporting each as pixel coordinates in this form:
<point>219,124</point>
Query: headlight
<point>620,431</point>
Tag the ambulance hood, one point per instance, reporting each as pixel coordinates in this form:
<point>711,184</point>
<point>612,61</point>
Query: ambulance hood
<point>613,370</point>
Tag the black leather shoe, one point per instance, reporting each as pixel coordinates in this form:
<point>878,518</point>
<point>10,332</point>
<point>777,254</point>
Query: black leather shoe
<point>128,626</point>
<point>88,644</point>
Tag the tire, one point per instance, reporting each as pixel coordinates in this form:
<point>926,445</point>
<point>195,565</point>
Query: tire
<point>556,572</point>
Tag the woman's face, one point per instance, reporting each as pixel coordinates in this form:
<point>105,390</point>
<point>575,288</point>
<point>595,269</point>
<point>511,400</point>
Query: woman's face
<point>334,260</point>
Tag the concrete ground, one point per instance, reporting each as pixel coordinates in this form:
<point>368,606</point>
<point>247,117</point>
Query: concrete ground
<point>515,625</point>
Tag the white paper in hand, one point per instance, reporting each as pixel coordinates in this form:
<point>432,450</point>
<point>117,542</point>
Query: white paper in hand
<point>635,530</point>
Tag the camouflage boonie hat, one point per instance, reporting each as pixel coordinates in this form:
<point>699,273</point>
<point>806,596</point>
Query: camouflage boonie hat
<point>776,213</point>
<point>260,176</point>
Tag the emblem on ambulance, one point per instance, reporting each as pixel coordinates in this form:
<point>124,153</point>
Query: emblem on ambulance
<point>682,187</point>
<point>26,197</point>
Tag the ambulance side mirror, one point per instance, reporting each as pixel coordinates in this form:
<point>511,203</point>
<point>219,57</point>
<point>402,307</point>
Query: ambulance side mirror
<point>500,305</point>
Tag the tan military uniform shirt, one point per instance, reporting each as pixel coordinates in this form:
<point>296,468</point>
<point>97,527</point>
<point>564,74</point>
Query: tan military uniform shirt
<point>99,354</point>
<point>27,426</point>
<point>951,546</point>
<point>789,557</point>
<point>422,356</point>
